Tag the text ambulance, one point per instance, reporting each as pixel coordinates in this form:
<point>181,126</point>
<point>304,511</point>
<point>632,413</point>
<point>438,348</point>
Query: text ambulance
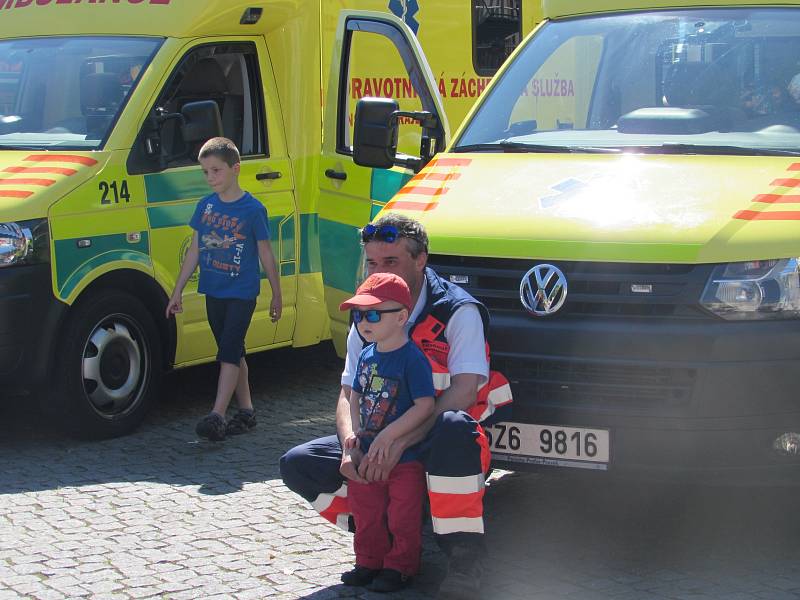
<point>624,199</point>
<point>103,106</point>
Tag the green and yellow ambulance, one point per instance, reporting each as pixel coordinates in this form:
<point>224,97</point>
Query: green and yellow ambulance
<point>103,105</point>
<point>623,198</point>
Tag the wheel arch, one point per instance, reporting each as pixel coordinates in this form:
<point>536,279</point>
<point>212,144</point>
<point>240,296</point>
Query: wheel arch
<point>143,287</point>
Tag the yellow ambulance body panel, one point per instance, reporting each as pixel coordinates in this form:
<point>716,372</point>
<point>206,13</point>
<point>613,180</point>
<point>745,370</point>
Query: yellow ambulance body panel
<point>103,107</point>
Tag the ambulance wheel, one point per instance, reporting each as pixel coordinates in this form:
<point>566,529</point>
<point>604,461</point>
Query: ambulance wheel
<point>108,368</point>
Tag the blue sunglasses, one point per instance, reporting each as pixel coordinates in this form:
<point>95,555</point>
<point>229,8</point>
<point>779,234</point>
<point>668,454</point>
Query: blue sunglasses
<point>384,233</point>
<point>373,315</point>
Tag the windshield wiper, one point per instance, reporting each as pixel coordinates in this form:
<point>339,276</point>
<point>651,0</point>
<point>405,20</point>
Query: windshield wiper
<point>535,148</point>
<point>707,149</point>
<point>21,146</point>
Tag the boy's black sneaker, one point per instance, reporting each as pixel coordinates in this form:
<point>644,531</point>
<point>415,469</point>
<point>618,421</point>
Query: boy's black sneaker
<point>211,427</point>
<point>359,576</point>
<point>242,422</point>
<point>389,580</point>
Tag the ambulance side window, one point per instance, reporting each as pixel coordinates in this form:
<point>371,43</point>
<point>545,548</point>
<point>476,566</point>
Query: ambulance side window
<point>225,73</point>
<point>394,74</point>
<point>496,31</point>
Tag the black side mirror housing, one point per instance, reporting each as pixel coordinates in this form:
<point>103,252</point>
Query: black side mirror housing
<point>201,122</point>
<point>375,133</point>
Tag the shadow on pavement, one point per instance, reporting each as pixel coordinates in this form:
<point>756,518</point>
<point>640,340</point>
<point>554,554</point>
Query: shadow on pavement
<point>291,407</point>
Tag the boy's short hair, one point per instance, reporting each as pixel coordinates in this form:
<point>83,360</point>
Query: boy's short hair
<point>223,148</point>
<point>410,229</point>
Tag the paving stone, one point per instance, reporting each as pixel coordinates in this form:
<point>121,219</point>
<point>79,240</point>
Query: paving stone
<point>157,515</point>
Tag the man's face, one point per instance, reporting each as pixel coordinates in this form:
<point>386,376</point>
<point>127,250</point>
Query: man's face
<point>383,257</point>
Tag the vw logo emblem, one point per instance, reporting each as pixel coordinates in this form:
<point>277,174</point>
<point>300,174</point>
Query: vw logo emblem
<point>543,290</point>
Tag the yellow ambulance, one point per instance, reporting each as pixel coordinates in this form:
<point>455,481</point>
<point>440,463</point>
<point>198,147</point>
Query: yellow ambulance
<point>623,197</point>
<point>103,106</point>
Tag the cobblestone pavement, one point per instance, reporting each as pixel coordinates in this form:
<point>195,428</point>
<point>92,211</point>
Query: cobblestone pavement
<point>159,515</point>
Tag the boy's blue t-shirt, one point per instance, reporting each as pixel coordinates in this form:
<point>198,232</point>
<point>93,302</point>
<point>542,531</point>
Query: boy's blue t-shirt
<point>227,235</point>
<point>389,383</point>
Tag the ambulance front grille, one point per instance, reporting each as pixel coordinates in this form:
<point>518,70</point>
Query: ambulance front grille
<point>594,288</point>
<point>574,384</point>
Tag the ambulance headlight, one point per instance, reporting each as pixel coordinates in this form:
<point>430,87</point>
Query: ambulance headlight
<point>23,242</point>
<point>763,289</point>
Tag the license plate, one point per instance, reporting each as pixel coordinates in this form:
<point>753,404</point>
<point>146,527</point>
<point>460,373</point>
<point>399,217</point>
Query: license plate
<point>550,445</point>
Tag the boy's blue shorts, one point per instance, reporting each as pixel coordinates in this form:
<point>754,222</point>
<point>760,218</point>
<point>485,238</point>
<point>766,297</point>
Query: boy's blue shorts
<point>229,319</point>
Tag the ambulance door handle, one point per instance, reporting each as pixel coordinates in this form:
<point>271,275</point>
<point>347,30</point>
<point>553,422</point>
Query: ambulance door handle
<point>340,175</point>
<point>270,175</point>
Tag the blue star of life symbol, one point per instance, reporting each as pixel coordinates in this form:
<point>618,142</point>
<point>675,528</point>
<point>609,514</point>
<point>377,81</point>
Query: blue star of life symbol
<point>406,9</point>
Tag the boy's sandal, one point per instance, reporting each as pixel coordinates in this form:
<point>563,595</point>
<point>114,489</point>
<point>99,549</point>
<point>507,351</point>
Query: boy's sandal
<point>242,422</point>
<point>211,427</point>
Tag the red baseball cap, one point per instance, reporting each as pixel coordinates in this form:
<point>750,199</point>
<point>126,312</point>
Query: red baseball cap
<point>377,288</point>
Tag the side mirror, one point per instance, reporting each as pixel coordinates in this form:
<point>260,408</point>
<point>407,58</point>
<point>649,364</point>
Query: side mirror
<point>375,133</point>
<point>201,122</point>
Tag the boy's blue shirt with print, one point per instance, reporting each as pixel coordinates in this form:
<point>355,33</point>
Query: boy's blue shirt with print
<point>389,383</point>
<point>227,236</point>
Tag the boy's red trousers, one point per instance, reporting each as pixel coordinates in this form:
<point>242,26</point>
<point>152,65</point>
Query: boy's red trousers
<point>388,518</point>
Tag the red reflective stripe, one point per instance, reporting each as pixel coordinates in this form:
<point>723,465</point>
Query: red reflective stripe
<point>43,170</point>
<point>450,162</point>
<point>423,190</point>
<point>26,181</point>
<point>68,158</point>
<point>752,215</point>
<point>337,507</point>
<point>453,506</point>
<point>402,204</point>
<point>439,176</point>
<point>794,167</point>
<point>777,198</point>
<point>14,194</point>
<point>787,182</point>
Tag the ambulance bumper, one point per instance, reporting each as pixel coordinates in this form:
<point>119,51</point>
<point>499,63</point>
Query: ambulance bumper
<point>29,316</point>
<point>701,399</point>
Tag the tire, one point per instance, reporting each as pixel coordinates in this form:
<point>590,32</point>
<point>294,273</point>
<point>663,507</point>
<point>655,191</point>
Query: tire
<point>107,372</point>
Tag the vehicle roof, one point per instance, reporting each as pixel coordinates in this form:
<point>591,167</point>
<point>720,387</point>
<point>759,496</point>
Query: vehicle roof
<point>554,9</point>
<point>167,18</point>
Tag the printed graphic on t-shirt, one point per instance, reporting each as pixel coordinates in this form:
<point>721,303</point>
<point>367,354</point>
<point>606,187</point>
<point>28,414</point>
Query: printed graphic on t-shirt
<point>221,248</point>
<point>378,401</point>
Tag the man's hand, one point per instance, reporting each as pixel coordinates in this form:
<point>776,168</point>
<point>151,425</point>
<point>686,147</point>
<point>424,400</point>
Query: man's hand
<point>372,470</point>
<point>351,459</point>
<point>380,447</point>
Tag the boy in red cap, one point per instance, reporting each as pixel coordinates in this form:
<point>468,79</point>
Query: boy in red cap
<point>392,394</point>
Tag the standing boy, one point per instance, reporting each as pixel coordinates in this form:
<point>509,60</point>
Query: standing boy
<point>231,235</point>
<point>391,396</point>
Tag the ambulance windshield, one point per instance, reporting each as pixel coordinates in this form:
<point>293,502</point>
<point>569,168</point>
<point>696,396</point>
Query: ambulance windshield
<point>714,81</point>
<point>67,92</point>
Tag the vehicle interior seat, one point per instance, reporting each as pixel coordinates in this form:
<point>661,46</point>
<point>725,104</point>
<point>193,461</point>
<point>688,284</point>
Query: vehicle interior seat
<point>708,88</point>
<point>205,80</point>
<point>232,112</point>
<point>101,96</point>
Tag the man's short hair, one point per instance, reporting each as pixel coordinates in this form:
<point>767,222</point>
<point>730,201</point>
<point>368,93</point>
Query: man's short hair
<point>410,229</point>
<point>223,148</point>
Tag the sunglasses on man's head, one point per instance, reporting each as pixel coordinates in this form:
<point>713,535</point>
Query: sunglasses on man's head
<point>373,315</point>
<point>384,233</point>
